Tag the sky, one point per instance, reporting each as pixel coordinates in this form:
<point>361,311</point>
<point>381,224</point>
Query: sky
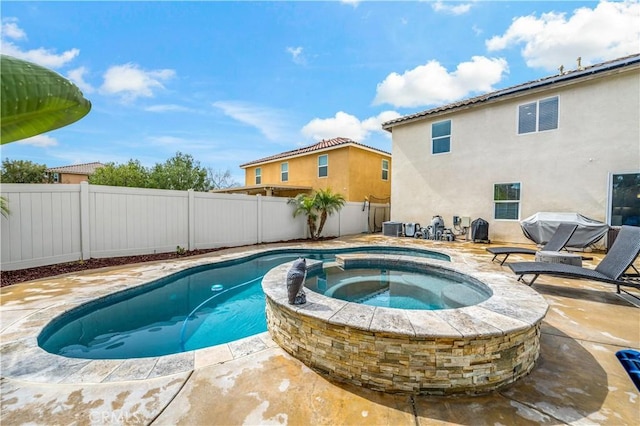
<point>232,82</point>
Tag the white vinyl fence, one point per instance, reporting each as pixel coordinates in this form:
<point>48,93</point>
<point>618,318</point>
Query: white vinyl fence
<point>55,223</point>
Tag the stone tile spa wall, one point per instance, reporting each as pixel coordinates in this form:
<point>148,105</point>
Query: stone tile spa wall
<point>443,352</point>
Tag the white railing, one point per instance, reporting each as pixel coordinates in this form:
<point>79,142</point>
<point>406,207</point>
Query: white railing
<point>55,223</point>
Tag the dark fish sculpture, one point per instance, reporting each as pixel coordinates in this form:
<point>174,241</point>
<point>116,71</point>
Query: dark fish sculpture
<point>295,282</point>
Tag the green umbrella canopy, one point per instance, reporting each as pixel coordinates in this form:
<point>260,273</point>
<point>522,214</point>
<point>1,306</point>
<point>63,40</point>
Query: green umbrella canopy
<point>36,100</point>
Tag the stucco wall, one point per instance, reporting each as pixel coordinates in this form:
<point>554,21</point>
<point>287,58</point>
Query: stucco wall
<point>566,169</point>
<point>71,178</point>
<point>365,175</point>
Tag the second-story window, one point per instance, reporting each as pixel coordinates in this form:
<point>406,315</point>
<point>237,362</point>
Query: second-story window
<point>441,137</point>
<point>538,116</point>
<point>385,169</point>
<point>323,165</point>
<point>284,172</point>
<point>258,175</point>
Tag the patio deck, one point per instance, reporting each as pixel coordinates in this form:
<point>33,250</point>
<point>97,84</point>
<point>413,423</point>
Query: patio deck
<point>576,380</point>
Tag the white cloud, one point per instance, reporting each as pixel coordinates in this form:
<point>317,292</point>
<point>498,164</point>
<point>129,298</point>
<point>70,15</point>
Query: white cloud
<point>432,84</point>
<point>270,122</point>
<point>77,76</point>
<point>353,3</point>
<point>10,29</point>
<point>296,55</point>
<point>452,8</point>
<point>346,125</point>
<point>41,56</point>
<point>130,82</point>
<point>41,141</point>
<point>167,108</point>
<point>608,31</point>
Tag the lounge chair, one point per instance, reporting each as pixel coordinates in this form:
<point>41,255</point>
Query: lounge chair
<point>556,243</point>
<point>612,269</point>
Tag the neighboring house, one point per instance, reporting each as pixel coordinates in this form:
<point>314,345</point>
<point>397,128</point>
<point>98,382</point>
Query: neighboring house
<point>347,167</point>
<point>75,173</point>
<point>565,143</point>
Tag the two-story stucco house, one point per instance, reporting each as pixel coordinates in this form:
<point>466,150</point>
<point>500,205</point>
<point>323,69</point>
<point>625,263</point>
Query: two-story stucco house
<point>565,143</point>
<point>347,167</point>
<point>75,173</point>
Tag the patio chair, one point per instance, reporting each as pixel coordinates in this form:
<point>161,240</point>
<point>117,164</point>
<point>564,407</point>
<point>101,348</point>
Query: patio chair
<point>612,269</point>
<point>556,243</point>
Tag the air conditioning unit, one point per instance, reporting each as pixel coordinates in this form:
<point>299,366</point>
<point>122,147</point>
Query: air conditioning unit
<point>392,229</point>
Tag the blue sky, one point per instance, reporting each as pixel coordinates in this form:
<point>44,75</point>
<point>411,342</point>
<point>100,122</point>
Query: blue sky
<point>232,82</point>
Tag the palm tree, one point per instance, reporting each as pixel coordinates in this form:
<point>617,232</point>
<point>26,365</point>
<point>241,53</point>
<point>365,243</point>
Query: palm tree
<point>304,203</point>
<point>327,203</point>
<point>4,207</point>
<point>322,203</point>
<point>35,100</point>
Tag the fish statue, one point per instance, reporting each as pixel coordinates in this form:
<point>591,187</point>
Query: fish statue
<point>295,282</point>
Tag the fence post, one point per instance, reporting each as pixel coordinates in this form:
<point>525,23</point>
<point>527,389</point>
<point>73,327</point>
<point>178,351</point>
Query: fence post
<point>85,222</point>
<point>191,219</point>
<point>260,218</point>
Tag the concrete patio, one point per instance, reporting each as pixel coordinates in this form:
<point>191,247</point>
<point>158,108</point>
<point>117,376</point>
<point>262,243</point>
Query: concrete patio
<point>576,380</point>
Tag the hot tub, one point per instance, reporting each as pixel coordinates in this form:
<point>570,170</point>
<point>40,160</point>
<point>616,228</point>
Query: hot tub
<point>467,350</point>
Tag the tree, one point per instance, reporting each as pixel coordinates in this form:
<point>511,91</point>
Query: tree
<point>22,171</point>
<point>132,174</point>
<point>323,203</point>
<point>220,180</point>
<point>327,203</point>
<point>303,204</point>
<point>180,172</point>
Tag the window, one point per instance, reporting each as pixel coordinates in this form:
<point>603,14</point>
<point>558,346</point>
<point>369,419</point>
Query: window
<point>284,172</point>
<point>506,198</point>
<point>538,116</point>
<point>323,165</point>
<point>625,199</point>
<point>258,175</point>
<point>56,178</point>
<point>385,169</point>
<point>441,137</point>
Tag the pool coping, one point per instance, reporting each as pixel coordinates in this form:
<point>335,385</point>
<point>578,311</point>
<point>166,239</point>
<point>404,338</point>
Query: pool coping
<point>22,358</point>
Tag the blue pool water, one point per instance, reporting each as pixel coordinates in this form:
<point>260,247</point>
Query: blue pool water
<point>400,288</point>
<point>200,307</point>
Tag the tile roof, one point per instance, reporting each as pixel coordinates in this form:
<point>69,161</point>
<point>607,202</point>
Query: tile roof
<point>565,76</point>
<point>320,146</point>
<point>77,169</point>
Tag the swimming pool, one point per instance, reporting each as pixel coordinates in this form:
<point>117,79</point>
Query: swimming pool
<point>184,311</point>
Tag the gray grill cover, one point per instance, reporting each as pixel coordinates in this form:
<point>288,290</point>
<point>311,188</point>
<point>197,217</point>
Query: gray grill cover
<point>541,226</point>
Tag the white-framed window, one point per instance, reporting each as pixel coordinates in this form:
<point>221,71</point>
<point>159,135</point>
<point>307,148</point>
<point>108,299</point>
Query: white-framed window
<point>56,178</point>
<point>258,175</point>
<point>506,201</point>
<point>441,137</point>
<point>385,169</point>
<point>538,116</point>
<point>284,172</point>
<point>323,165</point>
<point>624,196</point>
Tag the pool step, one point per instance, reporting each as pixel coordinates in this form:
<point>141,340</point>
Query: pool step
<point>372,295</point>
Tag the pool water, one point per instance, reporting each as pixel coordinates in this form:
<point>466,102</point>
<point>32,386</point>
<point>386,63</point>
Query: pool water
<point>200,307</point>
<point>396,288</point>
